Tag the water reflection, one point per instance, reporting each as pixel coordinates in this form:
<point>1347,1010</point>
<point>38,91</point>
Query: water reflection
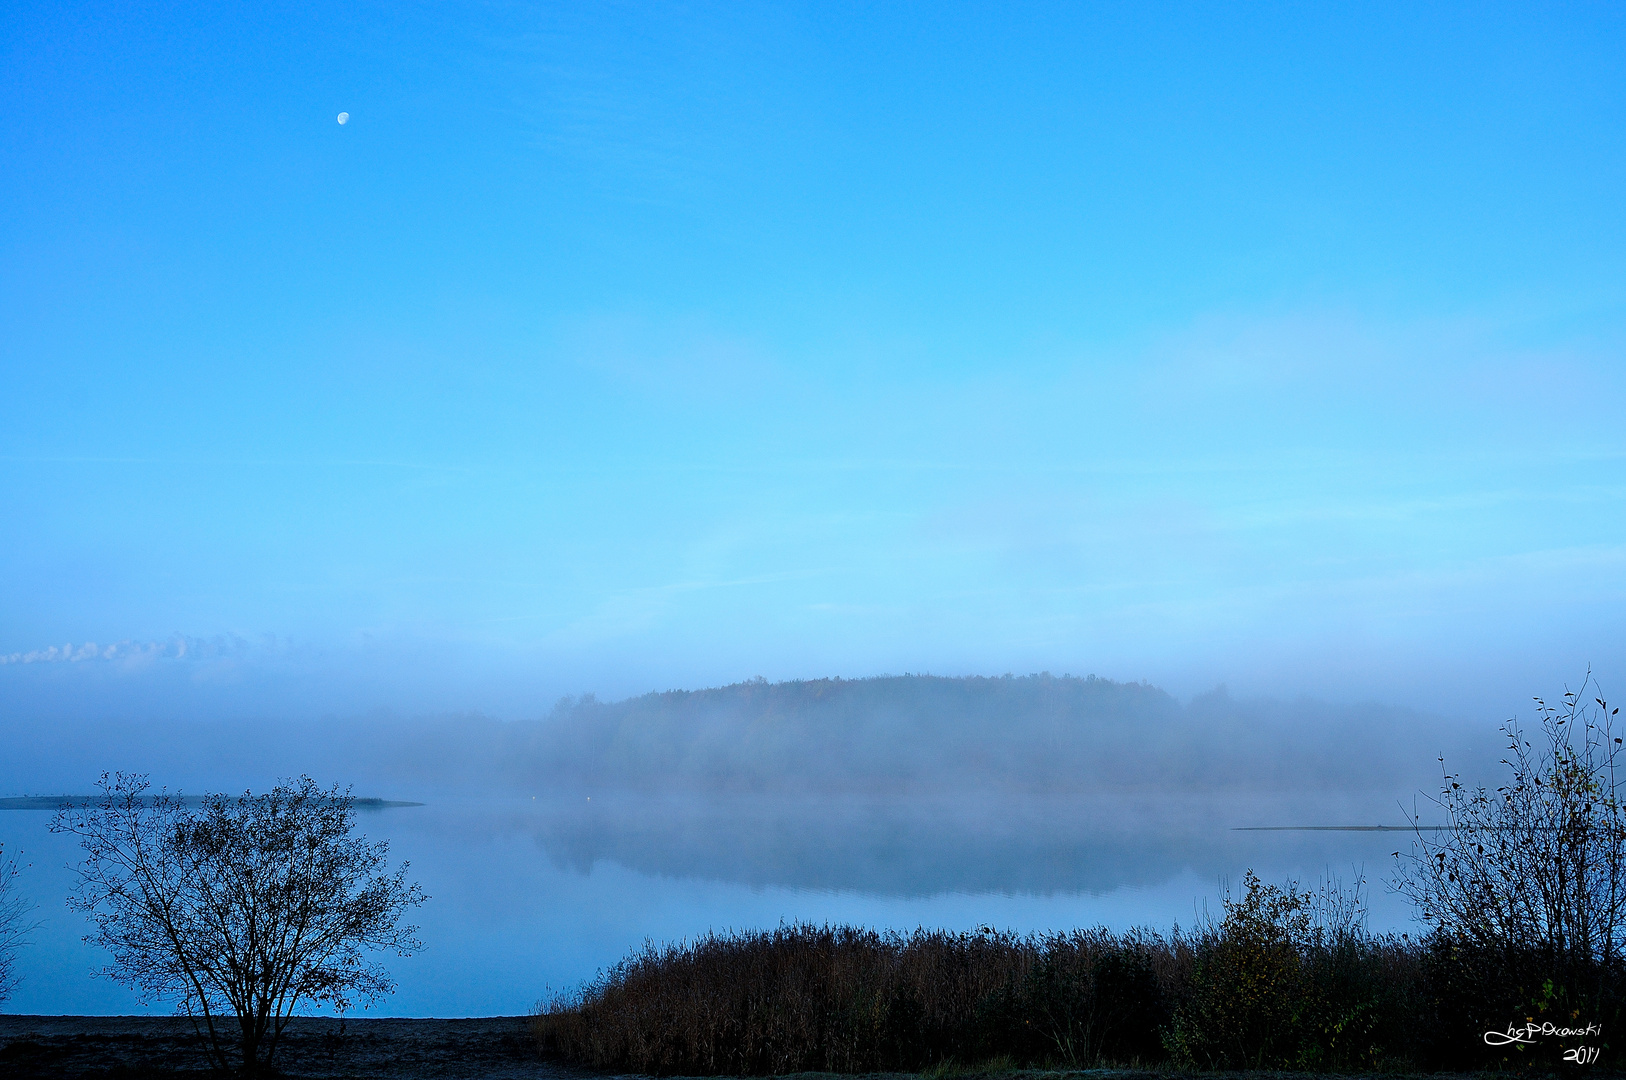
<point>917,846</point>
<point>529,894</point>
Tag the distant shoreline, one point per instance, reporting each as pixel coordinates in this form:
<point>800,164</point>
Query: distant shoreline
<point>62,802</point>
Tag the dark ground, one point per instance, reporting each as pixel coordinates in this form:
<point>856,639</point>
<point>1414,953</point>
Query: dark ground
<point>314,1048</point>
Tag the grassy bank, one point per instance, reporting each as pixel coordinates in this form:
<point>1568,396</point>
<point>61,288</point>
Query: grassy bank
<point>1275,985</point>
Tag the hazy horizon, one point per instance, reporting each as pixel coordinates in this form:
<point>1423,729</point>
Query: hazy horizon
<point>837,759</point>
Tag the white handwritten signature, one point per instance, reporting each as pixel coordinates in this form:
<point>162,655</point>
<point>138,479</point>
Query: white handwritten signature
<point>1528,1032</point>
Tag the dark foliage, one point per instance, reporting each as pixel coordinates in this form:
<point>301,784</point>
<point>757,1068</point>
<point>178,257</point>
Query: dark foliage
<point>1266,988</point>
<point>1289,981</point>
<point>1526,890</point>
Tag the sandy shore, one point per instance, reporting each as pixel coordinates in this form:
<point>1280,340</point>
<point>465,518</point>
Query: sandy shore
<point>135,1047</point>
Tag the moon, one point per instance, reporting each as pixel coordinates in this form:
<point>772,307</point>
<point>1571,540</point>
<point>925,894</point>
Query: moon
<point>344,118</point>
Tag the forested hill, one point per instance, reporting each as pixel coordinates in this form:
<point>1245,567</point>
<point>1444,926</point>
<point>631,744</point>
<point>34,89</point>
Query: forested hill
<point>887,735</point>
<point>921,732</point>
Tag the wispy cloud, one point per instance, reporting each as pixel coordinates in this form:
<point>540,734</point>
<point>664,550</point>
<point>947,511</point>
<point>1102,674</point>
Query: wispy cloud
<point>180,647</point>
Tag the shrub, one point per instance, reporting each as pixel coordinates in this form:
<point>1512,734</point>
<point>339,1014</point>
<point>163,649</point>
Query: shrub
<point>1526,889</point>
<point>799,998</point>
<point>1287,980</point>
<point>1247,998</point>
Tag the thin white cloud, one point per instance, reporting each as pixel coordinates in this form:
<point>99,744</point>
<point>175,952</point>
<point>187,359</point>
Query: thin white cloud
<point>180,647</point>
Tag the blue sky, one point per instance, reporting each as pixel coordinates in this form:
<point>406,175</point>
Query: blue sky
<point>623,347</point>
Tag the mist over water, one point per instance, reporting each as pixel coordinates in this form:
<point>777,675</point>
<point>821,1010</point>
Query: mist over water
<point>552,847</point>
<point>880,736</point>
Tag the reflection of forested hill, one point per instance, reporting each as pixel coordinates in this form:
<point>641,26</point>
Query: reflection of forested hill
<point>931,844</point>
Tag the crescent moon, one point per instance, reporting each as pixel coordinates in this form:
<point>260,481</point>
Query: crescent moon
<point>344,118</point>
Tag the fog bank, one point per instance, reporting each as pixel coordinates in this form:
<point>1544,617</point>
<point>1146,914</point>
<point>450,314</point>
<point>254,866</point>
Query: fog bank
<point>893,735</point>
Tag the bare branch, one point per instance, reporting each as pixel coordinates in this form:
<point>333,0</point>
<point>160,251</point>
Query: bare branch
<point>245,907</point>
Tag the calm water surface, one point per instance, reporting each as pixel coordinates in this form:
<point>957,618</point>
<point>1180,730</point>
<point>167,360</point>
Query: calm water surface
<point>532,896</point>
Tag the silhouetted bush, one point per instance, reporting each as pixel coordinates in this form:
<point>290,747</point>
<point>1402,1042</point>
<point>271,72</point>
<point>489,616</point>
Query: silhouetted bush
<point>799,998</point>
<point>1288,980</point>
<point>1087,996</point>
<point>1274,985</point>
<point>1526,888</point>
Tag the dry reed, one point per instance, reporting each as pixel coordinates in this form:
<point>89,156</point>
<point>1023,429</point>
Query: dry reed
<point>808,998</point>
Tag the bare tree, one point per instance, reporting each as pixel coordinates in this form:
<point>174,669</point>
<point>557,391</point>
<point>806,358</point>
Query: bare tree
<point>242,909</point>
<point>1540,862</point>
<point>14,924</point>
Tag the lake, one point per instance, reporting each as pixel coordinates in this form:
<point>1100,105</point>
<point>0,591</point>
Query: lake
<point>531,896</point>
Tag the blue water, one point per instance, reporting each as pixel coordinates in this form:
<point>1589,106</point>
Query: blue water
<point>533,896</point>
